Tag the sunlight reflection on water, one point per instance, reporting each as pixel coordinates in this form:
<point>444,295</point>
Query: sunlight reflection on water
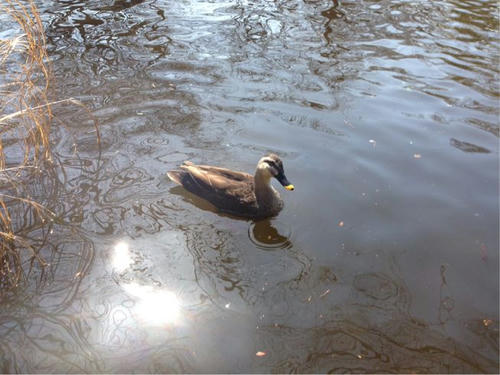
<point>121,257</point>
<point>153,306</point>
<point>156,307</point>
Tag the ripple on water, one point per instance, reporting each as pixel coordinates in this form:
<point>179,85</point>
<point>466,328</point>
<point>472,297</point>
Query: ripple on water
<point>376,286</point>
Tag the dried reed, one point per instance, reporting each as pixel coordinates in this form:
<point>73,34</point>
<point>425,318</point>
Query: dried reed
<point>25,148</point>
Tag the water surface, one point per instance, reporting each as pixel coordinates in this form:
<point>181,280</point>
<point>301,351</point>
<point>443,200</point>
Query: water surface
<point>385,258</point>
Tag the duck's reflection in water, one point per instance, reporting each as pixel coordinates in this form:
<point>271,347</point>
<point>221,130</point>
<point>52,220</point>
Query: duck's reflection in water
<point>270,234</point>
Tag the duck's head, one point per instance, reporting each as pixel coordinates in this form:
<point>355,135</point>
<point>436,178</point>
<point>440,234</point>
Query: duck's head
<point>272,166</point>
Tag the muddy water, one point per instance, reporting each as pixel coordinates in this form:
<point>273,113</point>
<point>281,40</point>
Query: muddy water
<point>385,258</point>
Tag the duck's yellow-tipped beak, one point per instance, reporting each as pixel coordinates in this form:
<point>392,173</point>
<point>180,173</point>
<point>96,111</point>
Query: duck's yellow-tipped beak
<point>284,181</point>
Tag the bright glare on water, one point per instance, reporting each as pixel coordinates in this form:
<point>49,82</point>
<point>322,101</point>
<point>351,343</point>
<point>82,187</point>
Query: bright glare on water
<point>153,306</point>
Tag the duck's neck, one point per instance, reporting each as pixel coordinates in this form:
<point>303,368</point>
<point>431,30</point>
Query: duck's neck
<point>266,196</point>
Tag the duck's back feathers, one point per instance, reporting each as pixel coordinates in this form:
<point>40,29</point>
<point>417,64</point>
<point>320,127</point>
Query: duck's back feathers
<point>225,174</point>
<point>228,190</point>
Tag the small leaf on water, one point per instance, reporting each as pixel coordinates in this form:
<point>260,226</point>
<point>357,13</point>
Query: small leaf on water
<point>487,322</point>
<point>324,293</point>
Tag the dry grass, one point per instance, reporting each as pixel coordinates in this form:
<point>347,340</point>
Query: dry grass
<point>26,90</point>
<point>25,118</point>
<point>26,160</point>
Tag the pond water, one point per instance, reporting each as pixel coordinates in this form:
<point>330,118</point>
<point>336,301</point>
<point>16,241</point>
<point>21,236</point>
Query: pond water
<point>385,257</point>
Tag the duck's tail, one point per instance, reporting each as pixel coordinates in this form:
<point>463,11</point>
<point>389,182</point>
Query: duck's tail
<point>175,176</point>
<point>178,175</point>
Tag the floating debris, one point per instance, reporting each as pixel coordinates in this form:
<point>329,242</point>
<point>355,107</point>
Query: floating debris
<point>260,354</point>
<point>325,293</point>
<point>417,156</point>
<point>487,322</point>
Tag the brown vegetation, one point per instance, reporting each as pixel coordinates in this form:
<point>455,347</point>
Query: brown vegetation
<point>28,171</point>
<point>25,119</point>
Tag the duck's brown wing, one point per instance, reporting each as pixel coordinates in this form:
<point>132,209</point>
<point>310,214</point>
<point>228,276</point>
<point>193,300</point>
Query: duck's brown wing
<point>223,172</point>
<point>228,190</point>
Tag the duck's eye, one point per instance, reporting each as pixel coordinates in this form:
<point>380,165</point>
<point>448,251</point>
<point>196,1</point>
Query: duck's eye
<point>272,167</point>
<point>270,163</point>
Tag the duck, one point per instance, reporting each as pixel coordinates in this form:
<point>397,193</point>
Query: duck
<point>234,192</point>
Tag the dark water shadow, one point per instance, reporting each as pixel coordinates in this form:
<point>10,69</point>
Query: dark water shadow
<point>363,323</point>
<point>468,147</point>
